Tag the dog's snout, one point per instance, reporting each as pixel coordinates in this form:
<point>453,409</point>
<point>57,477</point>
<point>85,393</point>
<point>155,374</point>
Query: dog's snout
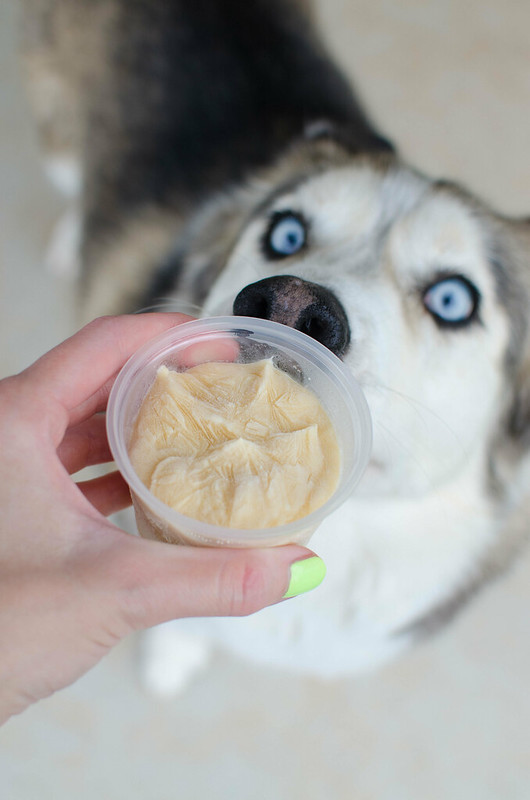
<point>306,306</point>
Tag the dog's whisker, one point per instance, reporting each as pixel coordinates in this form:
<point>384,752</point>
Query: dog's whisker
<point>408,452</point>
<point>421,410</point>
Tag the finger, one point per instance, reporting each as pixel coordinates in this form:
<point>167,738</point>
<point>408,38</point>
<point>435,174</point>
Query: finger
<point>158,582</point>
<point>221,350</point>
<point>85,445</point>
<point>108,493</point>
<point>76,370</point>
<point>94,404</point>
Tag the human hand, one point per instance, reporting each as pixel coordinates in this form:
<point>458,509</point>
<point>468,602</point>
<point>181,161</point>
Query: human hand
<point>72,584</point>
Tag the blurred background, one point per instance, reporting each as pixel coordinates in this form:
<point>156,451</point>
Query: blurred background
<point>449,83</point>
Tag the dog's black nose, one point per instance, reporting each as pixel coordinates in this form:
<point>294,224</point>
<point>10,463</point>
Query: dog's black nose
<point>305,306</point>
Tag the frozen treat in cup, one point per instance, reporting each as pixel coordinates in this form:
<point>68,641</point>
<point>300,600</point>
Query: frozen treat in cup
<point>237,432</point>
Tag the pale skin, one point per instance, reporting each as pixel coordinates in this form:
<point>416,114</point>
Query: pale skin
<point>72,584</point>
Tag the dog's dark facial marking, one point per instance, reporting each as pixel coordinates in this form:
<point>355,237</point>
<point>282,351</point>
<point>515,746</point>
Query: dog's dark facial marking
<point>162,282</point>
<point>308,307</point>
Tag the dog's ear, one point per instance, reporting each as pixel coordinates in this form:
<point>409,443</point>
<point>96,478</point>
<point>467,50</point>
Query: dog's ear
<point>354,137</point>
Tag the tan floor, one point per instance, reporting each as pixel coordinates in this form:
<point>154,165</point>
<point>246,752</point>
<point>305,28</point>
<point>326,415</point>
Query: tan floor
<point>450,83</point>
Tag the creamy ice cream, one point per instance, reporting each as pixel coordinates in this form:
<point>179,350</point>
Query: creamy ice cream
<point>236,445</point>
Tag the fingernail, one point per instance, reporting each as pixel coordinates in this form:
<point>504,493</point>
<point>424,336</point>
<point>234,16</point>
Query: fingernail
<point>306,574</point>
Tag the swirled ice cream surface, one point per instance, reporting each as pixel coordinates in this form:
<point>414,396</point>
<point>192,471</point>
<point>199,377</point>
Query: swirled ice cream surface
<point>237,445</point>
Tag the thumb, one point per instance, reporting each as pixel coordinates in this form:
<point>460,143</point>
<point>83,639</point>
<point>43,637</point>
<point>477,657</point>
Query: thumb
<point>158,582</point>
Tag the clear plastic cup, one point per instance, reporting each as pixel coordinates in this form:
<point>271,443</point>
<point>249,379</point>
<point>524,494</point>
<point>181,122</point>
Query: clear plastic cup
<point>244,340</point>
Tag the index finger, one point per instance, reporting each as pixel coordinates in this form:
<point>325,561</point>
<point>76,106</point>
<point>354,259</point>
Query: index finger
<point>78,368</point>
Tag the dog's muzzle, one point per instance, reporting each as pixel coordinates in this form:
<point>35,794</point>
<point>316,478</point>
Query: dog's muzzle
<point>308,307</point>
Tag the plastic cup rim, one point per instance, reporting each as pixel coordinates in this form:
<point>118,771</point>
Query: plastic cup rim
<point>206,532</point>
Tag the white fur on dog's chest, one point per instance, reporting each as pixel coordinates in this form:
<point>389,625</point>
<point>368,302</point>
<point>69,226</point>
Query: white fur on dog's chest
<point>384,571</point>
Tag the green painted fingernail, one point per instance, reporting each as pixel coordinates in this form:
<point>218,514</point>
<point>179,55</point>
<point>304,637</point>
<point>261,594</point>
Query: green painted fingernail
<point>306,574</point>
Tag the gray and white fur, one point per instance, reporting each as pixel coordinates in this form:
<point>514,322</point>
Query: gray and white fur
<point>189,134</point>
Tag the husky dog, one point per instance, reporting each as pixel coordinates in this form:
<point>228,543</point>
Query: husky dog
<point>221,161</point>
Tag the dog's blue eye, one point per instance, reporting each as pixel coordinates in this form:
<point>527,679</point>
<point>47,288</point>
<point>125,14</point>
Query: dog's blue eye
<point>452,301</point>
<point>286,235</point>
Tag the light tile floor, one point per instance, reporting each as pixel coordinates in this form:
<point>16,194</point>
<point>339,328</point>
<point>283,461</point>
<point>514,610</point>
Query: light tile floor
<point>450,82</point>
